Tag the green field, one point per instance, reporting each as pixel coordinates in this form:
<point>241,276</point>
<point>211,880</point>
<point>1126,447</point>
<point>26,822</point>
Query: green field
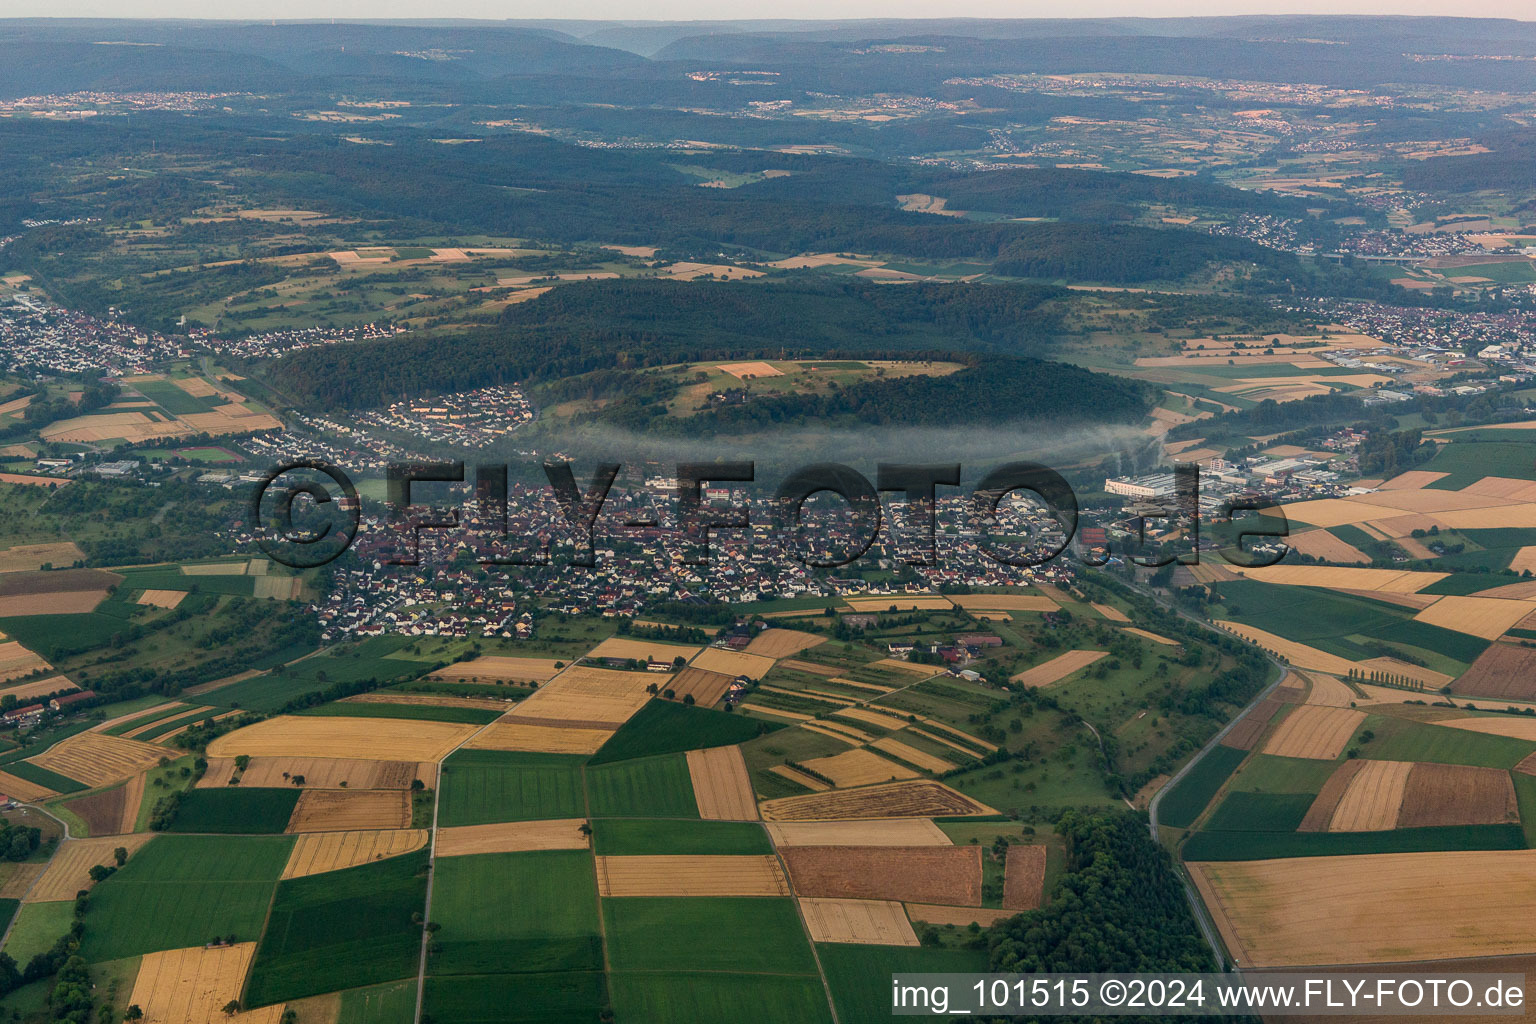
<point>1265,845</point>
<point>1398,739</point>
<point>516,913</point>
<point>635,837</point>
<point>1185,801</point>
<point>741,935</point>
<point>670,727</point>
<point>346,664</point>
<point>860,976</point>
<point>54,636</point>
<point>1467,462</point>
<point>652,787</point>
<point>341,929</point>
<point>38,927</point>
<point>419,712</point>
<point>43,777</point>
<point>720,998</point>
<point>184,891</point>
<point>480,786</point>
<point>235,810</point>
<point>1260,812</point>
<point>566,998</point>
<point>1266,773</point>
<point>392,1003</point>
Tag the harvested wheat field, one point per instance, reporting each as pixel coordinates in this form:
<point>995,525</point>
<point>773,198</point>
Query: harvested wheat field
<point>811,667</point>
<point>40,688</point>
<point>18,878</point>
<point>922,798</point>
<point>704,686</point>
<point>721,785</point>
<point>97,759</point>
<point>1005,602</point>
<point>1524,560</point>
<point>858,767</point>
<point>368,739</point>
<point>496,669</point>
<point>780,643</point>
<point>1324,545</point>
<point>1056,669</point>
<point>1381,908</point>
<point>512,837</point>
<point>1373,799</point>
<point>810,782</point>
<point>901,602</point>
<point>1024,877</point>
<point>884,832</point>
<point>642,650</point>
<point>24,557</point>
<point>911,755</point>
<point>1146,634</point>
<point>1111,613</point>
<point>817,727</point>
<point>24,790</point>
<point>872,922</point>
<point>1399,581</point>
<point>1246,732</point>
<point>346,810</point>
<point>1298,655</point>
<point>1320,815</point>
<point>320,773</point>
<point>65,602</point>
<point>1485,617</point>
<point>315,853</point>
<point>793,716</point>
<point>192,986</point>
<point>17,661</point>
<point>162,598</point>
<point>595,697</point>
<point>70,869</point>
<point>691,875</point>
<point>1518,727</point>
<point>1455,794</point>
<point>878,719</point>
<point>733,663</point>
<point>1503,670</point>
<point>918,874</point>
<point>960,917</point>
<point>1315,732</point>
<point>1331,691</point>
<point>510,734</point>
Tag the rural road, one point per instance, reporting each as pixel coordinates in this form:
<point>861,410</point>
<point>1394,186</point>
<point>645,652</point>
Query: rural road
<point>1196,904</point>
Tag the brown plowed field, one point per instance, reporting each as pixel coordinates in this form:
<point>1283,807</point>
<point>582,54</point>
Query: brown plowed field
<point>706,687</point>
<point>320,773</point>
<point>368,739</point>
<point>1503,670</point>
<point>318,852</point>
<point>97,759</point>
<point>1251,726</point>
<point>721,784</point>
<point>70,869</point>
<point>1310,731</point>
<point>1383,908</point>
<point>1454,794</point>
<point>688,875</point>
<point>1024,877</point>
<point>102,811</point>
<point>192,986</point>
<point>1321,812</point>
<point>919,874</point>
<point>917,799</point>
<point>871,922</point>
<point>886,832</point>
<point>1373,799</point>
<point>346,810</point>
<point>512,837</point>
<point>780,643</point>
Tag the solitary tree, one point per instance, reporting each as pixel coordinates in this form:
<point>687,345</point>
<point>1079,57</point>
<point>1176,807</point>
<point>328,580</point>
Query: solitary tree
<point>120,855</point>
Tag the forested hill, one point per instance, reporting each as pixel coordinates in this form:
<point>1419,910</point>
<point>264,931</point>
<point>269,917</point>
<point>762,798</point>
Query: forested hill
<point>594,325</point>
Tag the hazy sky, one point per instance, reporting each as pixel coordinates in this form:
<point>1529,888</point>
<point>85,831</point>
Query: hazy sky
<point>712,9</point>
